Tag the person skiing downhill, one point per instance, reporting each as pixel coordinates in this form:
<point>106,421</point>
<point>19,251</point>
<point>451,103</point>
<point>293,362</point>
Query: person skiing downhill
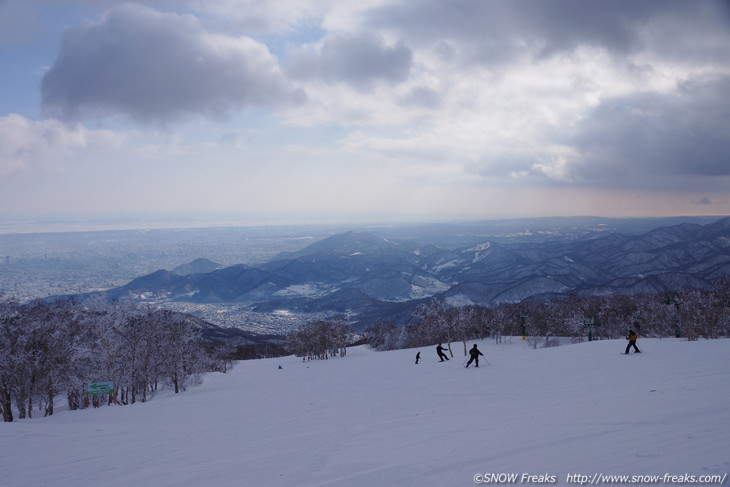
<point>474,353</point>
<point>418,357</point>
<point>632,342</point>
<point>440,352</point>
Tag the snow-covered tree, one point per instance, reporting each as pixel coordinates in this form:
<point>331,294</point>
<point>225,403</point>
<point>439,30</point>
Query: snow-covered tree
<point>431,326</point>
<point>320,338</point>
<point>48,348</point>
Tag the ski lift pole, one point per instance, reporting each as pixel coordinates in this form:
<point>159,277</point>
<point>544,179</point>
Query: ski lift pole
<point>590,323</point>
<point>524,332</point>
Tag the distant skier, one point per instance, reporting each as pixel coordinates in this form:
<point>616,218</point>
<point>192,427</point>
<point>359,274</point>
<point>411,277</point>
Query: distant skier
<point>632,342</point>
<point>474,353</point>
<point>440,352</point>
<point>418,357</point>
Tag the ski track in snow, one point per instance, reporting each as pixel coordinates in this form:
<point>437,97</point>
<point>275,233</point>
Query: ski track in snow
<point>377,419</point>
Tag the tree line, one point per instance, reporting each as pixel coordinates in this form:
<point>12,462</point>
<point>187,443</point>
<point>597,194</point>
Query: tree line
<point>51,349</point>
<point>691,314</point>
<point>320,338</point>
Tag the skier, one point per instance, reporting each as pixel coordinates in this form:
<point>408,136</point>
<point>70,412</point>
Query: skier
<point>632,342</point>
<point>475,353</point>
<point>440,352</point>
<point>418,357</point>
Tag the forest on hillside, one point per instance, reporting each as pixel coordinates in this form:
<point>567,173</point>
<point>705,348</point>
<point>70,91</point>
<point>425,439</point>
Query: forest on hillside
<point>52,349</point>
<point>690,313</point>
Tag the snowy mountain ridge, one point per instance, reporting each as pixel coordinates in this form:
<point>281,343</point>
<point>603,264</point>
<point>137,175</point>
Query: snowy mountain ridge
<point>358,272</point>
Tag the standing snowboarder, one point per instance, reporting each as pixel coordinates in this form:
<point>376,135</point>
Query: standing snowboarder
<point>474,353</point>
<point>632,342</point>
<point>440,352</point>
<point>418,357</point>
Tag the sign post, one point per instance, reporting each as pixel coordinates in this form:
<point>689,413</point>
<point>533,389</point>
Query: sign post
<point>96,388</point>
<point>100,388</point>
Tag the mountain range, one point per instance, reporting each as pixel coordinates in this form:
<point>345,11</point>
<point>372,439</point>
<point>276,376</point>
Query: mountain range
<point>371,277</point>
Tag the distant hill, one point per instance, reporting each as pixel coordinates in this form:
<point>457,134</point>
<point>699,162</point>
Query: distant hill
<point>371,277</point>
<point>198,266</point>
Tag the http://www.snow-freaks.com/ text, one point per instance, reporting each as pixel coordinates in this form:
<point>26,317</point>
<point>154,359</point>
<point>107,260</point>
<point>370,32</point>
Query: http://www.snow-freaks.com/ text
<point>599,479</point>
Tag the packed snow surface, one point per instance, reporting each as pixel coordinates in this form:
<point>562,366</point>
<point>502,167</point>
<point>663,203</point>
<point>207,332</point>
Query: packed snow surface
<point>377,419</point>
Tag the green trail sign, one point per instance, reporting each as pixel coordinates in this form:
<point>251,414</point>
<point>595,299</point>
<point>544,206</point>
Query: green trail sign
<point>100,388</point>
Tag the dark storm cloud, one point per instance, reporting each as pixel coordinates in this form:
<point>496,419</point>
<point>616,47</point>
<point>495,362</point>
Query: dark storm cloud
<point>498,30</point>
<point>685,134</point>
<point>358,60</point>
<point>157,67</point>
<point>678,140</point>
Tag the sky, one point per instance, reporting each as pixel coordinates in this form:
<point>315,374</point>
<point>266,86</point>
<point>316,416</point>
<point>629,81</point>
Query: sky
<point>294,110</point>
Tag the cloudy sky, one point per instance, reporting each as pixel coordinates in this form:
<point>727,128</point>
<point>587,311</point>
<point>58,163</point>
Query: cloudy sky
<point>376,109</point>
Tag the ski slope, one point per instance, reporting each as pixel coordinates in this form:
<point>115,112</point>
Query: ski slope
<point>377,419</point>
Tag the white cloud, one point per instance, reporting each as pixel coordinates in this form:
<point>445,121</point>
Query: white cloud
<point>269,17</point>
<point>26,145</point>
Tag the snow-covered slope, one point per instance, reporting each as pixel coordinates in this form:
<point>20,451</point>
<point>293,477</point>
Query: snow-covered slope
<point>377,419</point>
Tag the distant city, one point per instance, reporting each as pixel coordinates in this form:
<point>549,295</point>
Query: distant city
<point>36,265</point>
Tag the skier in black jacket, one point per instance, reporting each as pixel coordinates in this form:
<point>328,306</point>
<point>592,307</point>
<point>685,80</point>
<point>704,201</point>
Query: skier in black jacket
<point>475,353</point>
<point>440,352</point>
